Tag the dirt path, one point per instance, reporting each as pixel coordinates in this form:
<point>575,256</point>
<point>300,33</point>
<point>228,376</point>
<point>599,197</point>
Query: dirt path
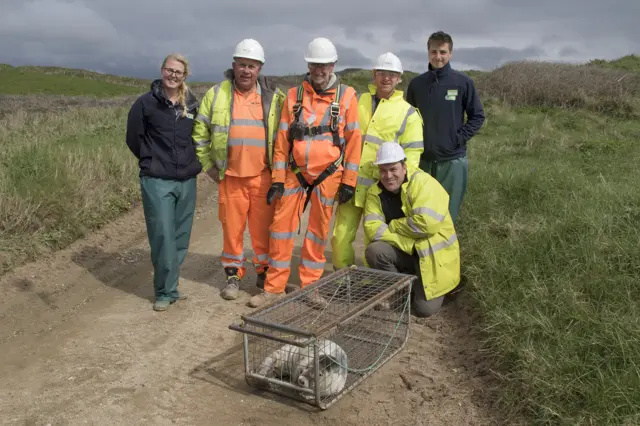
<point>80,344</point>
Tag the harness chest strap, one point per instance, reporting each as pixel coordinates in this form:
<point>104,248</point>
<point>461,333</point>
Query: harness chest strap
<point>312,131</point>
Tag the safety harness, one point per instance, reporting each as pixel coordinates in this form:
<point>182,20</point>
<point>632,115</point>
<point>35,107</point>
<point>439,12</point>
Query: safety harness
<point>300,130</point>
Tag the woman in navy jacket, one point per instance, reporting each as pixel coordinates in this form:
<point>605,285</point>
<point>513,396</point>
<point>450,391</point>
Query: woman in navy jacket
<point>159,135</point>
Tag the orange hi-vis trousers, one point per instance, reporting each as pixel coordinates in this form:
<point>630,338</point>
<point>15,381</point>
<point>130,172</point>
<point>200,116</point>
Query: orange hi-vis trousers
<point>241,199</point>
<point>285,227</point>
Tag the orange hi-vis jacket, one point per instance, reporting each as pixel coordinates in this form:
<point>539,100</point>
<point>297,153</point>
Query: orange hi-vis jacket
<point>315,153</point>
<point>247,147</point>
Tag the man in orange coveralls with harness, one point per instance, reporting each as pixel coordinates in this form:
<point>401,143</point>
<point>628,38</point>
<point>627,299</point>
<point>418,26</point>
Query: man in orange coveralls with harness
<point>319,138</point>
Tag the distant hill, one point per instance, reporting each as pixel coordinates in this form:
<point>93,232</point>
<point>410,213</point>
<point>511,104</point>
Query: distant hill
<point>65,81</point>
<point>76,82</point>
<point>625,63</point>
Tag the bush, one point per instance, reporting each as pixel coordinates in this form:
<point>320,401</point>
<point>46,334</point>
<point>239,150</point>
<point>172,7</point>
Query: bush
<point>548,85</point>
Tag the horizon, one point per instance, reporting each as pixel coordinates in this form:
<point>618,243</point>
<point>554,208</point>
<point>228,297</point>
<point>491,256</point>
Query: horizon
<point>152,76</point>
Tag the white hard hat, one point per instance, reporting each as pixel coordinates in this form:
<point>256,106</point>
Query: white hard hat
<point>321,51</point>
<point>249,49</point>
<point>389,152</point>
<point>389,62</point>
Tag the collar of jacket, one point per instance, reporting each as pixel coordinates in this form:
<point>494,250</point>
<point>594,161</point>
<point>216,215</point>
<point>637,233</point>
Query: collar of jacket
<point>440,72</point>
<point>156,90</point>
<point>263,82</point>
<point>334,81</point>
<point>396,93</point>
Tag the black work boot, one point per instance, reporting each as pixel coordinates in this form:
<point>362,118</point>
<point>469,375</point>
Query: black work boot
<point>230,292</point>
<point>261,279</point>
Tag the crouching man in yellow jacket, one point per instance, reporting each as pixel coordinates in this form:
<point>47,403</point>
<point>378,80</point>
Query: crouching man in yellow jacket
<point>384,116</point>
<point>409,229</point>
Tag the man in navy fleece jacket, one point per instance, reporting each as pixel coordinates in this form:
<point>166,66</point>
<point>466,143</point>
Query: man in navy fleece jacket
<point>443,95</point>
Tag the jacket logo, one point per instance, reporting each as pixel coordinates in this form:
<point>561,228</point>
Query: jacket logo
<point>451,95</point>
<point>190,116</point>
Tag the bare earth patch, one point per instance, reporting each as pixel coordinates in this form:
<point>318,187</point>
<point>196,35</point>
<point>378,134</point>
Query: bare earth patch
<point>80,344</point>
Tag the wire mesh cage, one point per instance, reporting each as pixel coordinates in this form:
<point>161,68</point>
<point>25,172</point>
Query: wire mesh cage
<point>317,352</point>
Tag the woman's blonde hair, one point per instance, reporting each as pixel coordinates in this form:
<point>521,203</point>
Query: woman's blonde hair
<point>182,94</point>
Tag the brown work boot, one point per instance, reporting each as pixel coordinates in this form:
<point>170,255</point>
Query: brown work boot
<point>230,292</point>
<point>264,297</point>
<point>316,300</point>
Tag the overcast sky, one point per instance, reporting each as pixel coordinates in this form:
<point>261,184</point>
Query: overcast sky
<point>131,37</point>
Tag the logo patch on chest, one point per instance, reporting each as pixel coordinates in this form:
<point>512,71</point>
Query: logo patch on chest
<point>451,95</point>
<point>190,116</point>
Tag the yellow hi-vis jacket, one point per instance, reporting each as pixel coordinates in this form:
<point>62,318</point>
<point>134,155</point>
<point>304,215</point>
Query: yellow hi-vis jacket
<point>211,126</point>
<point>393,120</point>
<point>426,228</point>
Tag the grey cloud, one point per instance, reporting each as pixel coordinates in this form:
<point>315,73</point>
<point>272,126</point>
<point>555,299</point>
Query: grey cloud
<point>132,37</point>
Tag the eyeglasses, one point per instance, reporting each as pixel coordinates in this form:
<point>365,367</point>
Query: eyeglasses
<point>387,74</point>
<point>171,71</point>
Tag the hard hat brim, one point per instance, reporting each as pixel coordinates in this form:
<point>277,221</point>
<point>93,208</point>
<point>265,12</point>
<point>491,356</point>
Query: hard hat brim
<point>321,60</point>
<point>255,58</point>
<point>388,69</point>
<point>379,163</point>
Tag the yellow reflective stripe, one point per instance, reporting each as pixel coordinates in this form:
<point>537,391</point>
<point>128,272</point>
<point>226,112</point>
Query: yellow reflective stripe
<point>373,217</point>
<point>203,118</point>
<point>403,126</point>
<point>430,212</point>
<point>380,232</point>
<point>216,128</point>
<point>437,247</point>
<point>417,144</point>
<point>365,181</point>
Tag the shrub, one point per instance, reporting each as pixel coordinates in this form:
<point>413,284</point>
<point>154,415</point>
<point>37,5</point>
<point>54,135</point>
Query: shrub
<point>547,85</point>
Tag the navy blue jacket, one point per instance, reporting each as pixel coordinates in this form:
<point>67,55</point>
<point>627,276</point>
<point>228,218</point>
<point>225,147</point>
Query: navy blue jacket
<point>443,96</point>
<point>160,137</point>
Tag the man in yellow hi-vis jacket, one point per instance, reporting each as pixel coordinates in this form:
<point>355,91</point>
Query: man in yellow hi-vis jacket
<point>409,229</point>
<point>384,116</point>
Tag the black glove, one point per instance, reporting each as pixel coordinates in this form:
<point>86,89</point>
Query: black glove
<point>346,193</point>
<point>277,189</point>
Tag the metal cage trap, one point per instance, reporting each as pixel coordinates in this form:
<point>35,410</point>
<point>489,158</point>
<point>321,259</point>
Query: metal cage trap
<point>297,349</point>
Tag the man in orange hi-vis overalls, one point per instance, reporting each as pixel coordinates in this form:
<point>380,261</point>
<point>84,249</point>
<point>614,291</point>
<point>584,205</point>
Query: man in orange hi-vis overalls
<point>234,135</point>
<point>316,158</point>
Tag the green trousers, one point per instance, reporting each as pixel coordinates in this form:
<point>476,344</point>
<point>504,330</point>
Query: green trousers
<point>453,176</point>
<point>168,206</point>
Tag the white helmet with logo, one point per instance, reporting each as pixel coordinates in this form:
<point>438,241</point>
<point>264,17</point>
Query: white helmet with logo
<point>388,62</point>
<point>321,51</point>
<point>249,49</point>
<point>389,152</point>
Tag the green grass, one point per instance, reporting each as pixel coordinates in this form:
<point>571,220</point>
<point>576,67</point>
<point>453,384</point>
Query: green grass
<point>549,228</point>
<point>626,63</point>
<point>56,81</point>
<point>60,176</point>
<point>550,245</point>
